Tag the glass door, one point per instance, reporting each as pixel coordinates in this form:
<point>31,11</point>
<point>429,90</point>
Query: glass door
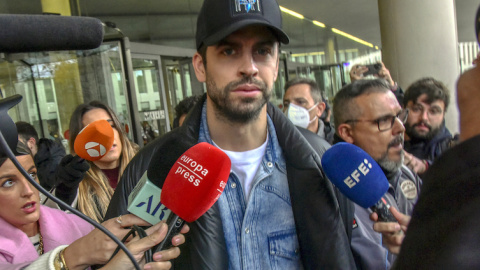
<point>150,96</point>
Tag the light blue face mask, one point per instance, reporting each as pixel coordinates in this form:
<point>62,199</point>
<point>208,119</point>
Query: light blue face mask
<point>299,115</point>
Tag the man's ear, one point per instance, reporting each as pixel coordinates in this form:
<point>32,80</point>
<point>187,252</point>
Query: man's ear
<point>345,131</point>
<point>321,108</point>
<point>197,62</point>
<point>31,143</point>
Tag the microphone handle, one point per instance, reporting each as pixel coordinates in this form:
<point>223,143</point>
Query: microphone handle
<point>175,224</point>
<point>383,212</point>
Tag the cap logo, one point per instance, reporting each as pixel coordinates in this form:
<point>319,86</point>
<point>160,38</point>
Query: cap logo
<point>247,6</point>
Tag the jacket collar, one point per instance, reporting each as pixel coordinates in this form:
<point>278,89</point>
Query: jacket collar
<point>291,141</point>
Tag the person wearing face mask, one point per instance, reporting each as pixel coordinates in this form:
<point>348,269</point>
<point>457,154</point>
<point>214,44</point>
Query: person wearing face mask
<point>303,104</point>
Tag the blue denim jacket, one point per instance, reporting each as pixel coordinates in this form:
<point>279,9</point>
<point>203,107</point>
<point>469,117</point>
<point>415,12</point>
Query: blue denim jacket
<point>259,233</point>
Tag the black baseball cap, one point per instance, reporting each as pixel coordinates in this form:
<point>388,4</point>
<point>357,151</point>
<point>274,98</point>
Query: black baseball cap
<point>220,18</point>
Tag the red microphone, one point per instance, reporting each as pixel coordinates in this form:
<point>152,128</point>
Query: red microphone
<point>94,141</point>
<point>192,186</point>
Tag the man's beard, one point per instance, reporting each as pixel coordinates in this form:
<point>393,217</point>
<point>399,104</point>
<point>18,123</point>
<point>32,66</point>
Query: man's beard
<point>413,134</point>
<point>246,109</point>
<point>388,165</point>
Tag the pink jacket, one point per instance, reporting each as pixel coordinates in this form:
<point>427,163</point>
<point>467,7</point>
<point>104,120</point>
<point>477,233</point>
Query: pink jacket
<point>57,228</point>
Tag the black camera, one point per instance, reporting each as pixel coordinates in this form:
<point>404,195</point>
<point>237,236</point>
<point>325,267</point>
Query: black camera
<point>373,69</point>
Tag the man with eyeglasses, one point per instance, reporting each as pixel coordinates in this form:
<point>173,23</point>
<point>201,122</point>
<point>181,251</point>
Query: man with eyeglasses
<point>368,115</point>
<point>426,136</point>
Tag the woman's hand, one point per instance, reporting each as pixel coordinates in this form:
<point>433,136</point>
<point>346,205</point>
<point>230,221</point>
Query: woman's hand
<point>138,246</point>
<point>96,247</point>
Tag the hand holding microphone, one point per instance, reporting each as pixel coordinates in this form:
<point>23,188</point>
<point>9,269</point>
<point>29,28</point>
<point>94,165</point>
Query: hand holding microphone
<point>92,143</point>
<point>393,233</point>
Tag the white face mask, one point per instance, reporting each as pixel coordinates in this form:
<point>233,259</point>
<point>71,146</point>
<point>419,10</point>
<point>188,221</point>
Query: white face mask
<point>299,115</point>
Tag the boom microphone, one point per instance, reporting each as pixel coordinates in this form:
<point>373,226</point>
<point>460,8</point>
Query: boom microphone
<point>33,33</point>
<point>94,140</point>
<point>358,177</point>
<point>192,186</point>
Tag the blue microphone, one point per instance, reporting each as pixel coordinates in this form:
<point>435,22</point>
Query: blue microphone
<point>358,177</point>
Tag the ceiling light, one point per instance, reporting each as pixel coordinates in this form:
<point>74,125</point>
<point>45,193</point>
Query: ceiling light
<point>291,12</point>
<point>352,37</point>
<point>319,24</point>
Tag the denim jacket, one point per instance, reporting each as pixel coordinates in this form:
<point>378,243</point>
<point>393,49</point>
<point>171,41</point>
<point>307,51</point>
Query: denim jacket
<point>259,233</point>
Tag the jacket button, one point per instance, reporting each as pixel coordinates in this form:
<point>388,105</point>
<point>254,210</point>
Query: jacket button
<point>247,230</point>
<point>234,185</point>
<point>270,164</point>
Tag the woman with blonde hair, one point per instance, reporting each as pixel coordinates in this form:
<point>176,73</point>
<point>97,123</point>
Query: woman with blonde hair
<point>94,180</point>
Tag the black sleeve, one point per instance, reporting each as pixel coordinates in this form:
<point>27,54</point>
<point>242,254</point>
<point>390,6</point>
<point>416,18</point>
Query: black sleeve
<point>66,194</point>
<point>443,232</point>
<point>48,157</point>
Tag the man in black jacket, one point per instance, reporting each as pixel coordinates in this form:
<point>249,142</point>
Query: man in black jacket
<point>426,136</point>
<point>278,211</point>
<point>46,153</point>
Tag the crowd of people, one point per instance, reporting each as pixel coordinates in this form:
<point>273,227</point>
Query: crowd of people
<point>278,209</point>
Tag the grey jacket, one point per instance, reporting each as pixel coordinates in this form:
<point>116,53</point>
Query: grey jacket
<point>403,191</point>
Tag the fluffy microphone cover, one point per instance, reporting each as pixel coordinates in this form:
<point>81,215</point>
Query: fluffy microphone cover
<point>33,33</point>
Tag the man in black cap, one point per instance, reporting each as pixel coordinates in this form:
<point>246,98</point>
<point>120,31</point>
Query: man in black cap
<point>278,211</point>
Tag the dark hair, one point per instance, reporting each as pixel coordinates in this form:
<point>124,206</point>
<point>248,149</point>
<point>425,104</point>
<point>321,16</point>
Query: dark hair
<point>26,131</point>
<point>203,52</point>
<point>314,89</point>
<point>435,90</point>
<point>184,107</point>
<point>343,103</point>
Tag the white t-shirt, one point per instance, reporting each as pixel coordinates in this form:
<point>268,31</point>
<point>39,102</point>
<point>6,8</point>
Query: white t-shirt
<point>245,165</point>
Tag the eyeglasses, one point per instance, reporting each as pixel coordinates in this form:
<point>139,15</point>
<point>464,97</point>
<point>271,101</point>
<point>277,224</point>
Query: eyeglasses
<point>433,111</point>
<point>385,122</point>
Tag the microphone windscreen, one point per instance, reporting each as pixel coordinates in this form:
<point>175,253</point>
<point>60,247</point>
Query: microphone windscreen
<point>7,126</point>
<point>196,181</point>
<point>33,33</point>
<point>163,161</point>
<point>94,141</point>
<point>355,174</point>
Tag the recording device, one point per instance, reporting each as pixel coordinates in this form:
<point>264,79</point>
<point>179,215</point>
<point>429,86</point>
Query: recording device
<point>193,184</point>
<point>94,141</point>
<point>373,69</point>
<point>33,33</point>
<point>358,177</point>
